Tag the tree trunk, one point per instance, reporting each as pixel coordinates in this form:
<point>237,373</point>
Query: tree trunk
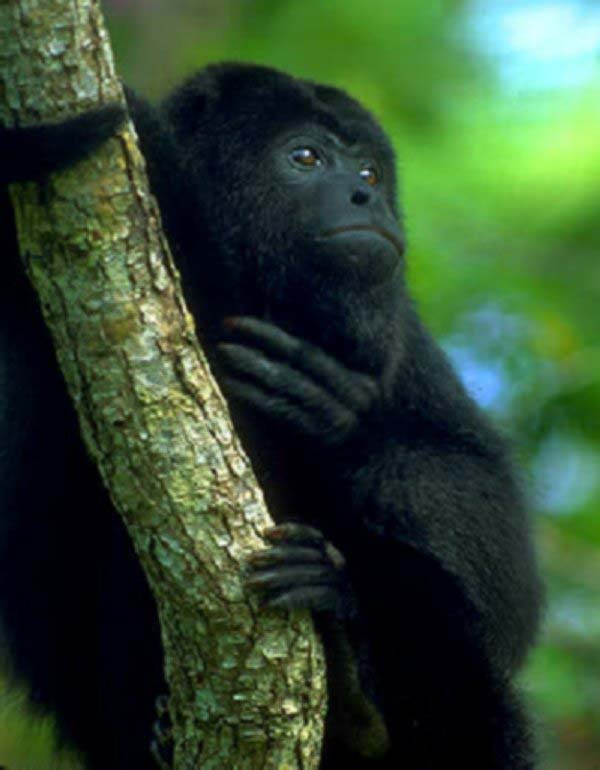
<point>247,689</point>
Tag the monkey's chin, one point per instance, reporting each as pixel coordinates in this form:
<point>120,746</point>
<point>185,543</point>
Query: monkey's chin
<point>364,255</point>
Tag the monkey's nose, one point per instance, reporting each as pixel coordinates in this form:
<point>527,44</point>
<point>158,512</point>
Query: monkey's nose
<point>360,197</point>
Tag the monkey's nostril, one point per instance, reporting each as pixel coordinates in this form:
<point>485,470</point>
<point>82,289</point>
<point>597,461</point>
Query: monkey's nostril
<point>360,197</point>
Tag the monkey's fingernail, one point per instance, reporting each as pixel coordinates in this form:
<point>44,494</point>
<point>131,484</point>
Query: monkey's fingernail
<point>274,533</point>
<point>230,322</point>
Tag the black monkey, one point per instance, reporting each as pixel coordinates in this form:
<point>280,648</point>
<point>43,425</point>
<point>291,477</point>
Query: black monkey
<point>399,519</point>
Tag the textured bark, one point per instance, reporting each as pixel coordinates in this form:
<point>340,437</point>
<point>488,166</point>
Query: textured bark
<point>247,688</point>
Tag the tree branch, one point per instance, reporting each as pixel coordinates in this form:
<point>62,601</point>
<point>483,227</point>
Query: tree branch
<point>247,689</point>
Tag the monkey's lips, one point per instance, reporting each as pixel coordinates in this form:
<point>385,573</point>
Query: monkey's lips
<point>382,232</point>
<point>365,252</point>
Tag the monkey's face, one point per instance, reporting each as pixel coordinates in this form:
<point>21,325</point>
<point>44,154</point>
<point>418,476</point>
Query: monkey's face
<point>335,198</point>
<point>316,209</point>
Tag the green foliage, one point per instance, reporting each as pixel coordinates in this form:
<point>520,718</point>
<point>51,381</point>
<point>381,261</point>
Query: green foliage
<point>26,743</point>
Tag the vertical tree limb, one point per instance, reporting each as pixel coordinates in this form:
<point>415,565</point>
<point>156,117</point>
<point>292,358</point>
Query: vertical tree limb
<point>247,689</point>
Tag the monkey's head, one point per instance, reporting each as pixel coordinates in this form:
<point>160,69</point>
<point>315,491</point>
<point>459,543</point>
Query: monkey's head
<point>294,188</point>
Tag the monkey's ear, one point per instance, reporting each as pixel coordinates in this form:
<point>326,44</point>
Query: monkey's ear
<point>190,109</point>
<point>31,152</point>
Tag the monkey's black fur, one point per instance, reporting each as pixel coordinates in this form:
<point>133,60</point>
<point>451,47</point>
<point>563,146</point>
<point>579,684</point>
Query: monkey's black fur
<point>410,541</point>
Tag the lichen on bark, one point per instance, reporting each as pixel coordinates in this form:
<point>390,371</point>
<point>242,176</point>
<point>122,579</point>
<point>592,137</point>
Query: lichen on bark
<point>247,688</point>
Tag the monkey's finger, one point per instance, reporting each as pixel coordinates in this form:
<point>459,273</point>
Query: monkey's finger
<point>316,598</point>
<point>281,380</point>
<point>292,531</point>
<point>278,407</point>
<point>275,375</point>
<point>269,337</point>
<point>331,427</point>
<point>285,554</point>
<point>354,389</point>
<point>287,576</point>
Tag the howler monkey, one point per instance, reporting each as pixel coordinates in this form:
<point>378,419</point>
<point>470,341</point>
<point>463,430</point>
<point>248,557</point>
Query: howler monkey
<point>400,520</point>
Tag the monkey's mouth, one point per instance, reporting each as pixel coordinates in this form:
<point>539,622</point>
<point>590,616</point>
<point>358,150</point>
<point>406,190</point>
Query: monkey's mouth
<point>381,231</point>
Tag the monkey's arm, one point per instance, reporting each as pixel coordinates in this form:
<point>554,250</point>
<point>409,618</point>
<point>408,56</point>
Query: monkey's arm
<point>31,152</point>
<point>430,524</point>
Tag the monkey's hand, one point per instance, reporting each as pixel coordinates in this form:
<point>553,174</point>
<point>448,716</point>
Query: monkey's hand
<point>299,570</point>
<point>291,381</point>
<point>302,570</point>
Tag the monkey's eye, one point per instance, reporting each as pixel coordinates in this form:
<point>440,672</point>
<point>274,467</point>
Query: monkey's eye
<point>305,157</point>
<point>369,174</point>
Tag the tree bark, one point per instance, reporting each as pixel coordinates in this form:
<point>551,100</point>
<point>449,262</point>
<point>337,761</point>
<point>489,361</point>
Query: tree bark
<point>247,689</point>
